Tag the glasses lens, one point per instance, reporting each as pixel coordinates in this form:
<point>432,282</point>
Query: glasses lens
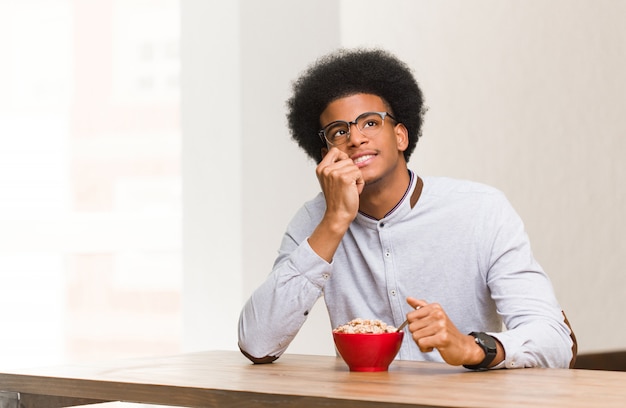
<point>370,123</point>
<point>337,132</point>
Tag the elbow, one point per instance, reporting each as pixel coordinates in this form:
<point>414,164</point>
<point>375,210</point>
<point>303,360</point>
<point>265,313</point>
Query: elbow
<point>258,360</point>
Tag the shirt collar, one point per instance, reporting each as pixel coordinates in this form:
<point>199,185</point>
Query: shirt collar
<point>398,211</point>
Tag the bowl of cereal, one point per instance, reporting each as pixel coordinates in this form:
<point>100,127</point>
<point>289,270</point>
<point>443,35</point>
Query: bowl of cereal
<point>367,345</point>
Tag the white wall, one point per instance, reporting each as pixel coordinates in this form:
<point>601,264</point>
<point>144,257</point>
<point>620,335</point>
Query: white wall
<point>243,177</point>
<point>212,201</point>
<point>526,96</point>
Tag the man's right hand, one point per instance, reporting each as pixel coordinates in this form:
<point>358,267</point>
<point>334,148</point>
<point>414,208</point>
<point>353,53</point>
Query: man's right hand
<point>342,183</point>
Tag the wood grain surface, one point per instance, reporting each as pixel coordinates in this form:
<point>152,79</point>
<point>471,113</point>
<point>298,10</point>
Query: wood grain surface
<point>227,379</point>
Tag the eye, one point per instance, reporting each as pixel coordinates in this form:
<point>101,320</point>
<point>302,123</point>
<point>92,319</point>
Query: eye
<point>337,131</point>
<point>371,123</point>
<point>371,120</point>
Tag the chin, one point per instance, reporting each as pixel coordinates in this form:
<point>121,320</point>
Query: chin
<point>371,180</point>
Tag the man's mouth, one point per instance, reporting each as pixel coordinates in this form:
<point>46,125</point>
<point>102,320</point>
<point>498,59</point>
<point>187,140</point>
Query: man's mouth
<point>363,158</point>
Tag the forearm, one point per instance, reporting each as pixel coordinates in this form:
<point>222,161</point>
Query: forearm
<point>537,344</point>
<point>276,311</point>
<point>327,236</point>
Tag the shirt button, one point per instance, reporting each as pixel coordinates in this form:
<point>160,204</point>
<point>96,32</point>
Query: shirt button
<point>393,292</point>
<point>325,275</point>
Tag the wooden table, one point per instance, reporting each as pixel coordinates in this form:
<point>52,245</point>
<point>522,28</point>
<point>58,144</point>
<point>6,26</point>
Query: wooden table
<point>227,379</point>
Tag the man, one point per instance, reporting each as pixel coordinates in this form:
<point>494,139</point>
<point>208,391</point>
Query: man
<point>381,242</point>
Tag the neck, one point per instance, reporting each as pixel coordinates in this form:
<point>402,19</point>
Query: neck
<point>377,199</point>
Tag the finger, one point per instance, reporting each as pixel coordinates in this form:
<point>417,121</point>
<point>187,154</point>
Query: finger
<point>415,303</point>
<point>426,336</point>
<point>360,183</point>
<point>423,342</point>
<point>336,163</point>
<point>334,155</point>
<point>424,348</point>
<point>343,172</point>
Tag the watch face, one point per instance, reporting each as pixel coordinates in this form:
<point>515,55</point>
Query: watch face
<point>486,341</point>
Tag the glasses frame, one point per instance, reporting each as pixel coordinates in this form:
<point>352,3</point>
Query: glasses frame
<point>322,132</point>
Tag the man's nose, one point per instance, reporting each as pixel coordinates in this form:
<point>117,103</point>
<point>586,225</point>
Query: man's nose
<point>356,136</point>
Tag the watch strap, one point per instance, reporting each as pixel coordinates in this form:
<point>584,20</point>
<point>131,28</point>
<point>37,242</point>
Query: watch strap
<point>489,346</point>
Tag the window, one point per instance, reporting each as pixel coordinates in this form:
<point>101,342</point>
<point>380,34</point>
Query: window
<point>90,183</point>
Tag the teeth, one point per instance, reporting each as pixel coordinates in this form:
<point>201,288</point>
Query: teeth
<point>362,158</point>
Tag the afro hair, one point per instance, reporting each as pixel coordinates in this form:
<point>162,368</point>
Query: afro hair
<point>346,72</point>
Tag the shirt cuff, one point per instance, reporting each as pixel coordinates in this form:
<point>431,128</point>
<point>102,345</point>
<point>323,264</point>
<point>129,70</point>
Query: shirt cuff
<point>511,348</point>
<point>310,265</point>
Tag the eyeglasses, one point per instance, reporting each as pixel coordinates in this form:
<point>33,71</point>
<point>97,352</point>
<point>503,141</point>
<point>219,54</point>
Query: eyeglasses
<point>369,124</point>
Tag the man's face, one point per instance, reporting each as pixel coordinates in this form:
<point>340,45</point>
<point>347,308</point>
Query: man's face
<point>379,155</point>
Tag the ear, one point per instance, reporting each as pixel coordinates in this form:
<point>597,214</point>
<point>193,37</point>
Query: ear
<point>402,137</point>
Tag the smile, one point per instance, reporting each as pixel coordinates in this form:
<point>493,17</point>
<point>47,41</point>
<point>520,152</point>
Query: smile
<point>362,159</point>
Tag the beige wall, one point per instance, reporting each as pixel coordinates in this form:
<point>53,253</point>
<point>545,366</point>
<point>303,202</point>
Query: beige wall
<point>526,96</point>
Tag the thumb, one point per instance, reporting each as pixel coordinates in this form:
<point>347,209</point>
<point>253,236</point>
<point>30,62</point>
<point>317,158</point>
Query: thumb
<point>415,303</point>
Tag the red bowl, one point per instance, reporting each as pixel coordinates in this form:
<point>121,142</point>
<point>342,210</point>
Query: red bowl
<point>368,351</point>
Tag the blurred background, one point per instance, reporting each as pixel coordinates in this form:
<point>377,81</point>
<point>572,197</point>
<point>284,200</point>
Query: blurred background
<point>90,180</point>
<point>147,176</point>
